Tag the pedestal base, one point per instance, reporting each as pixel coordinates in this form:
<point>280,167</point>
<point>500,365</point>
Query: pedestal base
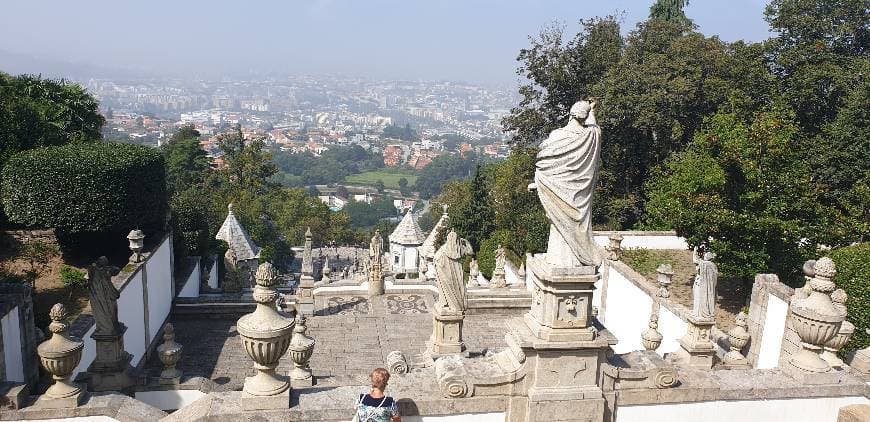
<point>696,348</point>
<point>861,361</point>
<point>70,402</point>
<point>446,334</point>
<point>278,401</point>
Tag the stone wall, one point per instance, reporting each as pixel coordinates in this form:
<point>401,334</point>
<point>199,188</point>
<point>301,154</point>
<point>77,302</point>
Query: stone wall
<point>147,291</point>
<point>772,337</point>
<point>19,332</point>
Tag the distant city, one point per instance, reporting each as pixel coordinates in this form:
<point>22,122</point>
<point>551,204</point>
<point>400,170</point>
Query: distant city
<point>308,113</point>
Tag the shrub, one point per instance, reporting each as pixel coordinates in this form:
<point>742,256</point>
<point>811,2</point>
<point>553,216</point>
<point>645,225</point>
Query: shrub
<point>86,188</point>
<point>853,276</point>
<point>72,278</point>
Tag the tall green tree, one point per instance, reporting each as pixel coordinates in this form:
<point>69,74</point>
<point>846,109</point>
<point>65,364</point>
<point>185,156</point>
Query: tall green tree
<point>187,164</point>
<point>474,220</point>
<point>559,75</point>
<point>248,166</point>
<point>742,191</point>
<point>670,11</point>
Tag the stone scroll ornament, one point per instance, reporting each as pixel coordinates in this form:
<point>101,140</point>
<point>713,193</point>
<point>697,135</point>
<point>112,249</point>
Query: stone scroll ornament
<point>397,362</point>
<point>104,297</point>
<point>452,377</point>
<point>567,172</point>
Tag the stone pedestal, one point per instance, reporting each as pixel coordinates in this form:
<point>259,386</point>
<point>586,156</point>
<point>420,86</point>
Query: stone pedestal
<point>696,347</point>
<point>305,295</point>
<point>559,346</point>
<point>376,286</point>
<point>446,333</point>
<point>110,370</point>
<point>861,361</point>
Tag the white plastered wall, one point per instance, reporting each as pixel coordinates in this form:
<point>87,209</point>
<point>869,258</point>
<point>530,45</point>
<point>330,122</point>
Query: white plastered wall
<point>774,330</point>
<point>12,346</point>
<point>820,409</point>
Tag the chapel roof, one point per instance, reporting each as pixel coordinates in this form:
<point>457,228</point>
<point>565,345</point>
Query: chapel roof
<point>408,232</point>
<point>237,237</point>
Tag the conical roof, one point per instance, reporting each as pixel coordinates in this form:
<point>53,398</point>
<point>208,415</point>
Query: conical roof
<point>428,248</point>
<point>408,232</point>
<point>237,237</point>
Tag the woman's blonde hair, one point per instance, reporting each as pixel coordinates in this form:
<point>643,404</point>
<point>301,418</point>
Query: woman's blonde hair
<point>380,376</point>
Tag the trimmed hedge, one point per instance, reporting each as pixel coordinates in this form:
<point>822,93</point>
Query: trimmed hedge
<point>86,188</point>
<point>853,276</point>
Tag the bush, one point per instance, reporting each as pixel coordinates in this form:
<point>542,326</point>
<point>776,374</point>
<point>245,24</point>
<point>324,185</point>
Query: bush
<point>72,278</point>
<point>853,276</point>
<point>86,188</point>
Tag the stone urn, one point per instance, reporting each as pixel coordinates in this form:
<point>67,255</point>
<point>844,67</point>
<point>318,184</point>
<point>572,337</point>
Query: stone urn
<point>815,319</point>
<point>614,247</point>
<point>301,348</point>
<point>169,353</point>
<point>651,337</point>
<point>839,298</point>
<point>60,355</point>
<point>265,335</point>
<point>665,275</point>
<point>738,338</point>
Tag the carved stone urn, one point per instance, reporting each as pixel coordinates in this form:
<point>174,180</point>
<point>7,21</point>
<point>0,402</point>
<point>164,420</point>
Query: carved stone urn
<point>265,335</point>
<point>815,319</point>
<point>738,338</point>
<point>665,275</point>
<point>614,247</point>
<point>169,353</point>
<point>652,338</point>
<point>834,345</point>
<point>301,349</point>
<point>60,355</point>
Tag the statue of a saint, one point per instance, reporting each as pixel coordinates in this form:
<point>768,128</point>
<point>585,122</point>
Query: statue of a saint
<point>499,258</point>
<point>473,272</point>
<point>566,176</point>
<point>449,275</point>
<point>104,297</point>
<point>376,248</point>
<point>704,288</point>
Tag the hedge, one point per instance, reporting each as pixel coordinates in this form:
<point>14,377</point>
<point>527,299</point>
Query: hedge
<point>86,188</point>
<point>853,276</point>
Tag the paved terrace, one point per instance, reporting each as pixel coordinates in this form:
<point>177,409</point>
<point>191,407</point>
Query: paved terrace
<point>354,335</point>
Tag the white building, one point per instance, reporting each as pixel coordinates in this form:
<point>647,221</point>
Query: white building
<point>404,244</point>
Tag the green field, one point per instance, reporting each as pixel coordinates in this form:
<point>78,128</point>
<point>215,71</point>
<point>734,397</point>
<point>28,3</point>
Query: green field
<point>389,177</point>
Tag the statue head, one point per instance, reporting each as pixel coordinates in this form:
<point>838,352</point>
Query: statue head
<point>580,110</point>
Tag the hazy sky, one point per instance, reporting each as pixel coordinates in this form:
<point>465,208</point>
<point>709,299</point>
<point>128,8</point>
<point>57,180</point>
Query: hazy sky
<point>474,40</point>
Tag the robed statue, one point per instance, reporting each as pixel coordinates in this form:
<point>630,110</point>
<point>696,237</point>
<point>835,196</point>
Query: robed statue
<point>376,249</point>
<point>104,297</point>
<point>449,276</point>
<point>565,179</point>
<point>704,288</point>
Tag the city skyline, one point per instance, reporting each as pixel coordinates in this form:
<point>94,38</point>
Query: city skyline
<point>446,40</point>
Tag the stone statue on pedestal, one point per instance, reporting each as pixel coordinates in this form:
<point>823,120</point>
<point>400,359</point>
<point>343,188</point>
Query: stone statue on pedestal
<point>704,289</point>
<point>565,179</point>
<point>104,296</point>
<point>498,276</point>
<point>376,265</point>
<point>473,272</point>
<point>449,274</point>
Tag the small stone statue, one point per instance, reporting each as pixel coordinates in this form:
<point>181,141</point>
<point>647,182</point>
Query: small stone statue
<point>498,276</point>
<point>473,272</point>
<point>449,274</point>
<point>704,289</point>
<point>104,296</point>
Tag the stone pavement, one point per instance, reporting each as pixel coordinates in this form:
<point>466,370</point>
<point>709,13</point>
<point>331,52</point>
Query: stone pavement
<point>351,340</point>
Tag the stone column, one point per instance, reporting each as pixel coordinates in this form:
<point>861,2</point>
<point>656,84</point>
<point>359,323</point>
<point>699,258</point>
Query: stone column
<point>305,290</point>
<point>265,336</point>
<point>59,356</point>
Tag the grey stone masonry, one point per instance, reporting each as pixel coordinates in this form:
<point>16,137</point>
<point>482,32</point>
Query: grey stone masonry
<point>764,286</point>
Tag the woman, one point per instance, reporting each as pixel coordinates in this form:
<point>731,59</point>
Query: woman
<point>376,406</point>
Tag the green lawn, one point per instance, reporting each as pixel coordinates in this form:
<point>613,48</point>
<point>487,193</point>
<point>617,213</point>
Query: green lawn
<point>389,177</point>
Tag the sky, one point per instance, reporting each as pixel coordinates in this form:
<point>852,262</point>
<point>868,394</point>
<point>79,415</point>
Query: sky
<point>464,40</point>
